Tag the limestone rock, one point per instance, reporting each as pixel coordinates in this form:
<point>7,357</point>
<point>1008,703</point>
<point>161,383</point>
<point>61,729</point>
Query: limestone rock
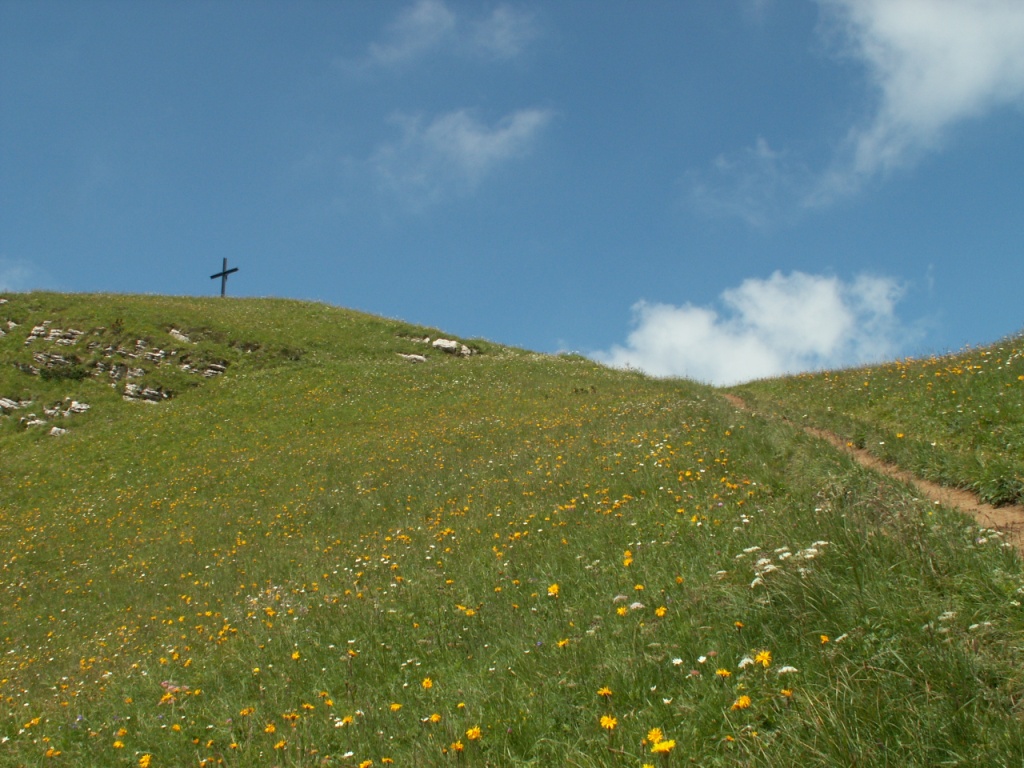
<point>57,431</point>
<point>452,347</point>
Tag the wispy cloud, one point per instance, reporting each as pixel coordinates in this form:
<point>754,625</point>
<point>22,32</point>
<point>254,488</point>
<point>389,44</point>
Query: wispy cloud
<point>453,152</point>
<point>785,324</point>
<point>15,275</point>
<point>418,29</point>
<point>758,185</point>
<point>504,34</point>
<point>931,64</point>
<point>430,26</point>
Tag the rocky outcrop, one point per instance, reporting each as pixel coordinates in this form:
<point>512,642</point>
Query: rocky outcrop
<point>452,347</point>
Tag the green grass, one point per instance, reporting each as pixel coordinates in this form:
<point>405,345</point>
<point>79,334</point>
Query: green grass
<point>303,541</point>
<point>957,420</point>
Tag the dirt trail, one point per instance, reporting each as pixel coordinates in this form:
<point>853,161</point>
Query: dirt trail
<point>1009,519</point>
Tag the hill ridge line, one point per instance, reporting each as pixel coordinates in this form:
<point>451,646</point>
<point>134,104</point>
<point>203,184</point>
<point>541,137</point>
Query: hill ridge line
<point>1008,520</point>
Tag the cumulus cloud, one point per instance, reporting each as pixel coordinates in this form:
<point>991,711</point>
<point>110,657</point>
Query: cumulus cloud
<point>930,65</point>
<point>453,152</point>
<point>785,324</point>
<point>429,26</point>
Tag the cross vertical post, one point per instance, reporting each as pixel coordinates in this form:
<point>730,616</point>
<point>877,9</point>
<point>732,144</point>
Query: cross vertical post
<point>223,275</point>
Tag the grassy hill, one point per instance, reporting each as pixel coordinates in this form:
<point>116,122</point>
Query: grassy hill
<point>273,540</point>
<point>957,420</point>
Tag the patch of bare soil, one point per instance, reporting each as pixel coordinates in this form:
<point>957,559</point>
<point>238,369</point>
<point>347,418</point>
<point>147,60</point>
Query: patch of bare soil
<point>1009,519</point>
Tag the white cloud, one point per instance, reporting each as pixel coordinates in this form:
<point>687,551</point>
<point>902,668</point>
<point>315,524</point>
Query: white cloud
<point>429,26</point>
<point>933,63</point>
<point>785,324</point>
<point>504,34</point>
<point>453,152</point>
<point>417,29</point>
<point>930,64</point>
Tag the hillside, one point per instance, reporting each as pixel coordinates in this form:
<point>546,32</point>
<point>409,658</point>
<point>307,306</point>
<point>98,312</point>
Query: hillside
<point>957,420</point>
<point>273,538</point>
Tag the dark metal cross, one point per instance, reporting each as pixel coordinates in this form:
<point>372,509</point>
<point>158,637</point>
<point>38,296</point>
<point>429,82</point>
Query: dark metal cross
<point>223,275</point>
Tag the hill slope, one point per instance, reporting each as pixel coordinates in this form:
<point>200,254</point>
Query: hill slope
<point>325,554</point>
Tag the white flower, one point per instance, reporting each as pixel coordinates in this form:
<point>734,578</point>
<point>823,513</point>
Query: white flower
<point>787,670</point>
<point>636,606</point>
<point>677,662</point>
<point>745,662</point>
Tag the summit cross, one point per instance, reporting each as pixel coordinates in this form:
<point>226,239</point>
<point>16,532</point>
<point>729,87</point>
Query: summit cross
<point>223,275</point>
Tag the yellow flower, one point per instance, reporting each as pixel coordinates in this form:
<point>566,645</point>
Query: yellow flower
<point>474,733</point>
<point>563,643</point>
<point>296,655</point>
<point>787,692</point>
<point>366,764</point>
<point>435,718</point>
<point>553,590</point>
<point>247,711</point>
<point>608,722</point>
<point>427,683</point>
<point>395,706</point>
<point>663,747</point>
<point>604,691</point>
<point>723,673</point>
<point>655,735</point>
<point>118,744</point>
<point>638,587</point>
<point>145,760</point>
<point>823,638</point>
<point>660,611</point>
<point>281,744</point>
<point>456,746</point>
<point>764,658</point>
<point>271,728</point>
<point>743,702</point>
<point>622,610</point>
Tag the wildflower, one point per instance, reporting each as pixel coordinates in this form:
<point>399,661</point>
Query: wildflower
<point>456,746</point>
<point>724,674</point>
<point>281,744</point>
<point>655,735</point>
<point>395,706</point>
<point>435,718</point>
<point>246,711</point>
<point>366,764</point>
<point>608,722</point>
<point>743,702</point>
<point>663,747</point>
<point>427,683</point>
<point>145,760</point>
<point>118,744</point>
<point>563,643</point>
<point>296,655</point>
<point>553,590</point>
<point>604,691</point>
<point>787,670</point>
<point>271,728</point>
<point>745,662</point>
<point>787,692</point>
<point>638,587</point>
<point>764,658</point>
<point>738,625</point>
<point>474,733</point>
<point>660,611</point>
<point>823,638</point>
<point>622,610</point>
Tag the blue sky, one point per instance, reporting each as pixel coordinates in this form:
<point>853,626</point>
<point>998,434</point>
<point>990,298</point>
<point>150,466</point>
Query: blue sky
<point>722,190</point>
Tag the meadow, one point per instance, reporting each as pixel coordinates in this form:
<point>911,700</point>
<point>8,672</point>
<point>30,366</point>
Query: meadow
<point>330,556</point>
<point>957,420</point>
